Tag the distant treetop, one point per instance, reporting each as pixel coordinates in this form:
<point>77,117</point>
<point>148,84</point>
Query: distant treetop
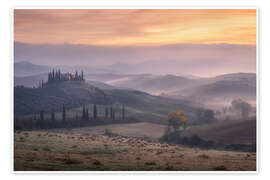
<point>57,76</point>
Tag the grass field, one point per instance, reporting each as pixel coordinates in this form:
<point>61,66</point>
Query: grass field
<point>88,149</point>
<point>140,130</point>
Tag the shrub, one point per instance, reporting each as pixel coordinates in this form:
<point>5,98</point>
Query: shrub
<point>151,163</point>
<point>203,156</point>
<point>220,168</point>
<point>97,163</point>
<point>193,141</point>
<point>108,132</point>
<point>46,149</point>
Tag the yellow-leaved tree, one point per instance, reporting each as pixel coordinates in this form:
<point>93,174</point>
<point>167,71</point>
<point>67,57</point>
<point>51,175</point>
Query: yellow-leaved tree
<point>176,119</point>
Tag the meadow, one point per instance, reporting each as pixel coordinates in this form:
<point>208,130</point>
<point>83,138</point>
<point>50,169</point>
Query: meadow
<point>121,147</point>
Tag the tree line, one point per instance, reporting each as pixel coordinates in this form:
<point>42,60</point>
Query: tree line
<point>38,120</point>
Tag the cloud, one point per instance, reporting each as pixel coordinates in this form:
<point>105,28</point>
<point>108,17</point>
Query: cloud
<point>135,27</point>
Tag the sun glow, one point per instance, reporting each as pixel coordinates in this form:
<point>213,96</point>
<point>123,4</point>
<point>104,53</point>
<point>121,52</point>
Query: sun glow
<point>135,27</point>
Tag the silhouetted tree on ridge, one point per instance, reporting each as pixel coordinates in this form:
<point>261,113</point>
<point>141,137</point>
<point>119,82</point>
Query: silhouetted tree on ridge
<point>95,111</point>
<point>64,114</point>
<point>123,112</point>
<point>106,112</point>
<point>111,113</point>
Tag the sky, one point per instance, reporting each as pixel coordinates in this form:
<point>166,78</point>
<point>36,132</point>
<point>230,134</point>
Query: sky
<point>221,39</point>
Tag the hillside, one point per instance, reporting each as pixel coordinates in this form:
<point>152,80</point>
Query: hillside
<point>104,77</point>
<point>229,89</point>
<point>25,68</point>
<point>231,132</point>
<point>219,88</point>
<point>30,81</point>
<point>150,106</point>
<point>34,80</point>
<point>219,91</point>
<point>219,94</point>
<point>155,84</point>
<point>248,77</point>
<point>51,97</point>
<point>101,85</point>
<point>201,90</point>
<point>140,105</point>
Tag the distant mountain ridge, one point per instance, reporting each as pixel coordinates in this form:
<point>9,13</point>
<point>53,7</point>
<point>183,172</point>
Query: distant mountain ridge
<point>214,90</point>
<point>154,84</point>
<point>25,68</point>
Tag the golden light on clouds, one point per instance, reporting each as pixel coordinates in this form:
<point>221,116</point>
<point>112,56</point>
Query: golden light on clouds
<point>135,27</point>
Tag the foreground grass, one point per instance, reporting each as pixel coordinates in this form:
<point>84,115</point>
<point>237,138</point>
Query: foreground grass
<point>80,151</point>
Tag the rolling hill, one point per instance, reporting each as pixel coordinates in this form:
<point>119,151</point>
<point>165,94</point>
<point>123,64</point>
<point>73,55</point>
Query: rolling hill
<point>144,106</point>
<point>155,84</point>
<point>30,81</point>
<point>179,85</point>
<point>34,80</point>
<point>25,68</point>
<point>221,90</point>
<point>215,92</point>
<point>51,97</point>
<point>151,107</point>
<point>230,132</point>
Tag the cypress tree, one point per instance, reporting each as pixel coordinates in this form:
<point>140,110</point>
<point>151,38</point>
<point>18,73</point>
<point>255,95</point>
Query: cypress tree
<point>95,111</point>
<point>52,119</point>
<point>76,75</point>
<point>52,116</point>
<point>41,115</point>
<point>49,77</point>
<point>123,112</point>
<point>53,76</point>
<point>106,112</point>
<point>111,113</point>
<point>35,117</point>
<point>59,75</point>
<point>76,117</point>
<point>83,115</point>
<point>64,114</point>
<point>87,114</point>
<point>41,118</point>
<point>82,76</point>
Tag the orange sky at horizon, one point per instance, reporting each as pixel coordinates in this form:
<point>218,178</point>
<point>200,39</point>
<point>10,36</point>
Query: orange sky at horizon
<point>135,27</point>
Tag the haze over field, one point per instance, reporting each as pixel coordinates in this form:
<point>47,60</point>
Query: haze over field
<point>180,59</point>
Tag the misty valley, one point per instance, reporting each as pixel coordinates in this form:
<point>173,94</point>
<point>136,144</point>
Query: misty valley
<point>90,119</point>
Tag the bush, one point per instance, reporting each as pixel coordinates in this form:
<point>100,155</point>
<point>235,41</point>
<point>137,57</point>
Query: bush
<point>193,141</point>
<point>220,168</point>
<point>97,163</point>
<point>108,132</point>
<point>241,147</point>
<point>150,163</point>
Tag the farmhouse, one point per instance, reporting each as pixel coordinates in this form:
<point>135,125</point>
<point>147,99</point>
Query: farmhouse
<point>56,76</point>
